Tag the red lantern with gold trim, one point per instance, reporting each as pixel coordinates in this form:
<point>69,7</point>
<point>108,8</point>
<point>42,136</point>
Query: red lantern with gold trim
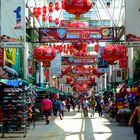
<point>111,53</point>
<point>44,53</point>
<point>77,7</point>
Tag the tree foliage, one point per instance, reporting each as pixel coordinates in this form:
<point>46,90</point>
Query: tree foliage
<point>137,60</point>
<point>137,65</point>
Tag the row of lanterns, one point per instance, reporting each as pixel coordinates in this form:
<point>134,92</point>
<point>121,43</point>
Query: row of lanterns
<point>81,69</point>
<point>110,53</point>
<point>75,7</point>
<point>37,11</point>
<point>47,53</point>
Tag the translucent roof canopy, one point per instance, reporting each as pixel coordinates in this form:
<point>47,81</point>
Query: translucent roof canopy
<point>102,13</point>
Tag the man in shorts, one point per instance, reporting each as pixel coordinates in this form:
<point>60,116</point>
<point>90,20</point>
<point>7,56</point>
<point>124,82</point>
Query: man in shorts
<point>137,114</point>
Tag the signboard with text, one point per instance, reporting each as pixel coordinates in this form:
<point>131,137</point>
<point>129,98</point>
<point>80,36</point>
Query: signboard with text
<point>103,65</point>
<point>132,23</point>
<point>1,56</point>
<point>72,60</point>
<point>76,34</point>
<point>56,65</point>
<point>13,23</point>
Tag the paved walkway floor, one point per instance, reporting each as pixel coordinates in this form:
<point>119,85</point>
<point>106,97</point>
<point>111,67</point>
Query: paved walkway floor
<point>76,127</point>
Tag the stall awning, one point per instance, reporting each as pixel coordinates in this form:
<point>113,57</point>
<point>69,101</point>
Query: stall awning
<point>8,82</point>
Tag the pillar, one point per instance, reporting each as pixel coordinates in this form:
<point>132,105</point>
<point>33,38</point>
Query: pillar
<point>25,62</point>
<point>130,64</point>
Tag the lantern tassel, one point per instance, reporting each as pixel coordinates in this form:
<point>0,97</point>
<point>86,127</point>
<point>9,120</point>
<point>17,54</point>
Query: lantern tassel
<point>77,16</point>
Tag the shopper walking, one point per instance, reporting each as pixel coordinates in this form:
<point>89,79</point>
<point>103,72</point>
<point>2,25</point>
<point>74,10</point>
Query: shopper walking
<point>136,113</point>
<point>85,107</point>
<point>47,107</point>
<point>68,104</point>
<point>99,106</point>
<point>55,107</point>
<point>60,108</point>
<point>92,104</point>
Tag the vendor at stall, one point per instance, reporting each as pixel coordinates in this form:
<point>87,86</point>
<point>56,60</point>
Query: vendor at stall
<point>137,114</point>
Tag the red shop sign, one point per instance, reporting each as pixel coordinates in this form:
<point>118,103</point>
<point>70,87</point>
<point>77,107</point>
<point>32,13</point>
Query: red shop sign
<point>1,56</point>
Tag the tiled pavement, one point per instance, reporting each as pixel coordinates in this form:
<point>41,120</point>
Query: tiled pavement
<point>76,127</point>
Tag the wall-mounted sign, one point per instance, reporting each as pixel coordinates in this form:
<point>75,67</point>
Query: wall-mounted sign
<point>1,56</point>
<point>10,55</point>
<point>132,22</point>
<point>13,23</point>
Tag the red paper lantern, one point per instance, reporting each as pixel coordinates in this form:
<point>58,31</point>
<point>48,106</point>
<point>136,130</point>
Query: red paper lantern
<point>63,71</point>
<point>44,17</point>
<point>44,53</point>
<point>46,64</point>
<point>30,69</point>
<point>56,21</point>
<point>111,53</point>
<point>68,79</point>
<point>77,7</point>
<point>57,5</point>
<point>37,12</point>
<point>44,9</point>
<point>123,49</point>
<point>79,45</point>
<point>46,73</point>
<point>95,72</point>
<point>50,8</point>
<point>123,62</point>
<point>62,23</point>
<point>50,19</point>
<point>36,16</point>
<point>96,47</point>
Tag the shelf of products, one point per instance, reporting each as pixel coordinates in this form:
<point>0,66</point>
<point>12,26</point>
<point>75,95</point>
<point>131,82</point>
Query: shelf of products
<point>15,112</point>
<point>38,105</point>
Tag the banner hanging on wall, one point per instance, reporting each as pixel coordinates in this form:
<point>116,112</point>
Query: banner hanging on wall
<point>12,23</point>
<point>1,56</point>
<point>10,55</point>
<point>132,22</point>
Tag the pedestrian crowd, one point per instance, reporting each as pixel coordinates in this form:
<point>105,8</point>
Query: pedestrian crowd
<point>57,106</point>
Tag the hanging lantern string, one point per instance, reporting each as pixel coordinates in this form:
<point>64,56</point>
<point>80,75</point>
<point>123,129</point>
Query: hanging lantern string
<point>107,11</point>
<point>46,16</point>
<point>98,14</point>
<point>60,15</point>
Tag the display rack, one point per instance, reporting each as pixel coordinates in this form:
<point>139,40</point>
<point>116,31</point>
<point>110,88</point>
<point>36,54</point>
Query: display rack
<point>38,105</point>
<point>14,111</point>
